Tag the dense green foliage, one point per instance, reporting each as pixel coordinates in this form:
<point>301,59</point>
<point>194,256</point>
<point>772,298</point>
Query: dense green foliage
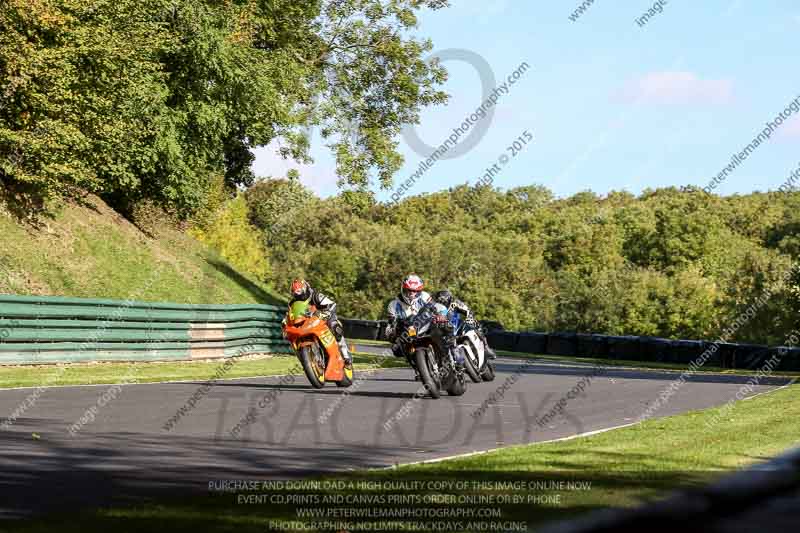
<point>675,263</point>
<point>229,232</point>
<point>160,102</point>
<point>134,99</point>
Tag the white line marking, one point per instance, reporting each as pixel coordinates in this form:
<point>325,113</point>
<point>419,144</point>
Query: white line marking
<point>770,391</point>
<point>480,452</point>
<point>561,439</point>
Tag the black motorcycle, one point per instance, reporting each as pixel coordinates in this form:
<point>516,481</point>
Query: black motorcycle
<point>431,348</point>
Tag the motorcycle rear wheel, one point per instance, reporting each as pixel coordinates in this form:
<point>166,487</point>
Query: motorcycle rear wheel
<point>430,378</point>
<point>309,358</point>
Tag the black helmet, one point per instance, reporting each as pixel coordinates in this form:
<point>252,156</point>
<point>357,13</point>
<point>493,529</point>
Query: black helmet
<point>444,297</point>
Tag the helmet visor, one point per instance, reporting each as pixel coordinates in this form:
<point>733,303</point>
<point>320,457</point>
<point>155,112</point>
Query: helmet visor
<point>298,288</point>
<point>409,295</point>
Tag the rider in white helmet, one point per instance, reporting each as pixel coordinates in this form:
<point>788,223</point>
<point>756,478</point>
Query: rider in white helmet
<point>407,304</point>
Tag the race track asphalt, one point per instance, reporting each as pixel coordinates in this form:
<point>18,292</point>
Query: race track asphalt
<point>125,454</point>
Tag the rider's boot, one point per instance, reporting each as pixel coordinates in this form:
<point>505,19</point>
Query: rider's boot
<point>488,350</point>
<point>348,359</point>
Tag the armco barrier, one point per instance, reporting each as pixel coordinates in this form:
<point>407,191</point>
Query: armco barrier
<point>655,348</point>
<point>503,340</point>
<point>562,344</point>
<point>684,352</point>
<point>592,345</point>
<point>790,359</point>
<point>751,355</point>
<point>727,354</point>
<point>56,329</point>
<point>362,329</point>
<point>530,342</point>
<point>626,347</point>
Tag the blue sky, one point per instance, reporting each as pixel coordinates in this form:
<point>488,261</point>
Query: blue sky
<point>612,105</point>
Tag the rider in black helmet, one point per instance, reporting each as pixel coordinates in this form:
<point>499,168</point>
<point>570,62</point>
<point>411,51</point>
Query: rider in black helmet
<point>447,299</point>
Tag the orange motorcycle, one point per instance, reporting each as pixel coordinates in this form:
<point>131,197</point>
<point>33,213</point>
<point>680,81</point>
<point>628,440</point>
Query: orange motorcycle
<point>316,346</point>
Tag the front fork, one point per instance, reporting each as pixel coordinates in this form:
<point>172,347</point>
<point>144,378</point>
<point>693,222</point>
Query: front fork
<point>455,357</point>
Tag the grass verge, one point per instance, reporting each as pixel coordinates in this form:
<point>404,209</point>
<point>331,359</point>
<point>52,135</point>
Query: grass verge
<point>87,250</point>
<point>151,372</point>
<point>618,468</point>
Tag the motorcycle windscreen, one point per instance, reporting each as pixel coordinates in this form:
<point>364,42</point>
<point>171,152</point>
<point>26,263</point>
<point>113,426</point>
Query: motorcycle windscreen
<point>298,309</point>
<point>455,320</point>
<point>440,309</point>
<point>422,322</point>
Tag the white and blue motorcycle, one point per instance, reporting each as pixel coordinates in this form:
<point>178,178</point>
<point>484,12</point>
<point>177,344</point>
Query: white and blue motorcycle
<point>476,364</point>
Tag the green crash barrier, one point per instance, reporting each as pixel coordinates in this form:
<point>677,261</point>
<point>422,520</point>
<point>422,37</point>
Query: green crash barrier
<point>51,329</point>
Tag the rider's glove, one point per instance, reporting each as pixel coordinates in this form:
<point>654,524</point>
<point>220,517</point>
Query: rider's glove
<point>323,315</point>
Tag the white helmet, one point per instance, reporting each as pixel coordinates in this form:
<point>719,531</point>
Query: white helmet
<point>411,288</point>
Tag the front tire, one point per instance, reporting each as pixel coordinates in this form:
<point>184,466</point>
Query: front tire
<point>488,372</point>
<point>428,373</point>
<point>470,366</point>
<point>309,358</point>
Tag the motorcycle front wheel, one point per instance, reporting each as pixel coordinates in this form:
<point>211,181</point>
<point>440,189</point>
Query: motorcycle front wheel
<point>429,371</point>
<point>470,364</point>
<point>313,365</point>
<point>488,372</point>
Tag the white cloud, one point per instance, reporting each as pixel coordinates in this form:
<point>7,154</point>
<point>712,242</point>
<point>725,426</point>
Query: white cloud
<point>675,87</point>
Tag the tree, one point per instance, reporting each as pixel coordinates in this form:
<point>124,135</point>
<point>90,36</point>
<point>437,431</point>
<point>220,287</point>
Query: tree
<point>230,233</point>
<point>155,98</point>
